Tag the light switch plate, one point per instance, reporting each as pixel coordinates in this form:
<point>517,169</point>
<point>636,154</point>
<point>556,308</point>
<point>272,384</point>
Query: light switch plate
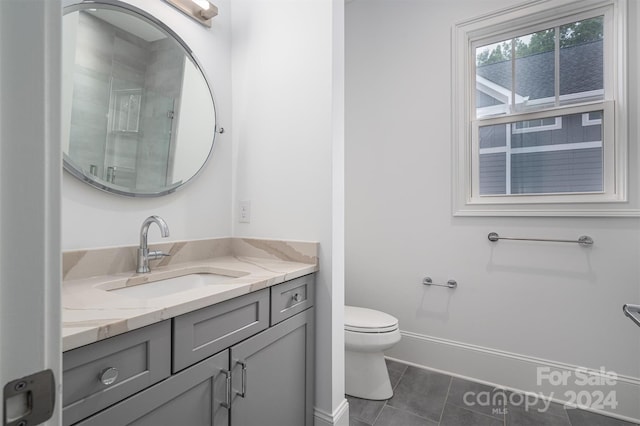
<point>244,211</point>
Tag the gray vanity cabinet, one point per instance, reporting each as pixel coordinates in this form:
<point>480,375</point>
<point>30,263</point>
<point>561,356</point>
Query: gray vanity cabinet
<point>193,397</point>
<point>247,361</point>
<point>273,375</point>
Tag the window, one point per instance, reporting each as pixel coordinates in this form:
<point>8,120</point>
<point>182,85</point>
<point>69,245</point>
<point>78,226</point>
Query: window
<point>540,110</point>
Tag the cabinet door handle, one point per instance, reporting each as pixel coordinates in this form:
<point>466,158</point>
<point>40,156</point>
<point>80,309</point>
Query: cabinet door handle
<point>297,298</point>
<point>243,393</point>
<point>227,403</point>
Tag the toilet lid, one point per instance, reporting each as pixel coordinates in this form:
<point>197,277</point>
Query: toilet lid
<point>365,320</point>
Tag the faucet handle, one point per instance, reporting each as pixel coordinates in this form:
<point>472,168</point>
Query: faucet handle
<point>157,254</point>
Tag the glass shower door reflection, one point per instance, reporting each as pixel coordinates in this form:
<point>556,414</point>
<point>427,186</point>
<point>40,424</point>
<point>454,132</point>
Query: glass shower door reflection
<point>154,150</point>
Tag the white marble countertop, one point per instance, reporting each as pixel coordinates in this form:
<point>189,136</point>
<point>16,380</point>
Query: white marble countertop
<point>92,312</point>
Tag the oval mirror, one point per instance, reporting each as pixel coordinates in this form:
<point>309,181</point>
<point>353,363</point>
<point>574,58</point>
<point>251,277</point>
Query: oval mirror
<point>138,114</point>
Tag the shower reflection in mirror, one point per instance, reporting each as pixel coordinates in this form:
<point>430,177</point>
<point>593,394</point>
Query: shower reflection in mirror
<point>127,88</point>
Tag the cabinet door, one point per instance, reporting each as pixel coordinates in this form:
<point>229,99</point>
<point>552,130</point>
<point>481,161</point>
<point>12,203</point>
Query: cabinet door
<point>276,386</point>
<point>194,397</point>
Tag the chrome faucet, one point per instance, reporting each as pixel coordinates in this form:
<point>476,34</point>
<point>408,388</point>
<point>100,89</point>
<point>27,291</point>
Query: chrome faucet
<point>144,255</point>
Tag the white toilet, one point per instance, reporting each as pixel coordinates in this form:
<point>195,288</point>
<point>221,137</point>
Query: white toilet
<point>367,334</point>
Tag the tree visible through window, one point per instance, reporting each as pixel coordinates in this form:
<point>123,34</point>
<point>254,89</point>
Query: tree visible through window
<point>587,31</point>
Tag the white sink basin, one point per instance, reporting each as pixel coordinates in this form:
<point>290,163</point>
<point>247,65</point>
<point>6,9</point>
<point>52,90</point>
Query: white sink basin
<point>170,286</point>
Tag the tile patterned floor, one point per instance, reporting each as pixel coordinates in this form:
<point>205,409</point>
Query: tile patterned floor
<point>427,398</point>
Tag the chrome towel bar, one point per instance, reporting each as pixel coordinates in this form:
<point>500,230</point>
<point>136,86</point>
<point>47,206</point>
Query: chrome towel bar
<point>450,283</point>
<point>583,240</point>
<point>629,310</point>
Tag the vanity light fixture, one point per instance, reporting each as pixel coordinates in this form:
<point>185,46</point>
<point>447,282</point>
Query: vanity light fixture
<point>200,10</point>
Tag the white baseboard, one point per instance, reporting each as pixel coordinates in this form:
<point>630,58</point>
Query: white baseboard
<point>523,374</point>
<point>340,417</point>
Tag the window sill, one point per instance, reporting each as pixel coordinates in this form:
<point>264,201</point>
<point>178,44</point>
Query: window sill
<point>553,210</point>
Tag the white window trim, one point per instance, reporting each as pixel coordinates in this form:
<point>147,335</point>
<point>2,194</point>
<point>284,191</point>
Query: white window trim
<point>523,17</point>
<point>541,128</point>
<point>543,148</point>
<point>586,121</point>
<point>534,104</point>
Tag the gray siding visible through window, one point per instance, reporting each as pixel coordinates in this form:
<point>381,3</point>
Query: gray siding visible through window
<point>563,160</point>
<point>493,136</point>
<point>572,131</point>
<point>577,170</point>
<point>492,174</point>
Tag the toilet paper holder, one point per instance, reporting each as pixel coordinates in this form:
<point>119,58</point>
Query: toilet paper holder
<point>450,283</point>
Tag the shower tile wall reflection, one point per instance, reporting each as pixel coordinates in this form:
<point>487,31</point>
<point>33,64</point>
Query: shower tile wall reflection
<point>124,91</point>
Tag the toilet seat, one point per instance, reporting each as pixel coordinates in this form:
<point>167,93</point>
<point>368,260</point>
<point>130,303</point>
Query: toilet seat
<point>363,320</point>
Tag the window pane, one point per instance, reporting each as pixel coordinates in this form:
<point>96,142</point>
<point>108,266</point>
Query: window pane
<point>492,174</point>
<point>551,172</point>
<point>535,69</point>
<point>545,156</point>
<point>581,61</point>
<point>493,54</point>
<point>493,136</point>
<point>493,159</point>
<point>493,79</point>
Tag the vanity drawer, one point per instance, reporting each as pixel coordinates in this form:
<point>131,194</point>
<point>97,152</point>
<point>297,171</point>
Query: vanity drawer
<point>202,333</point>
<point>133,361</point>
<point>291,297</point>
